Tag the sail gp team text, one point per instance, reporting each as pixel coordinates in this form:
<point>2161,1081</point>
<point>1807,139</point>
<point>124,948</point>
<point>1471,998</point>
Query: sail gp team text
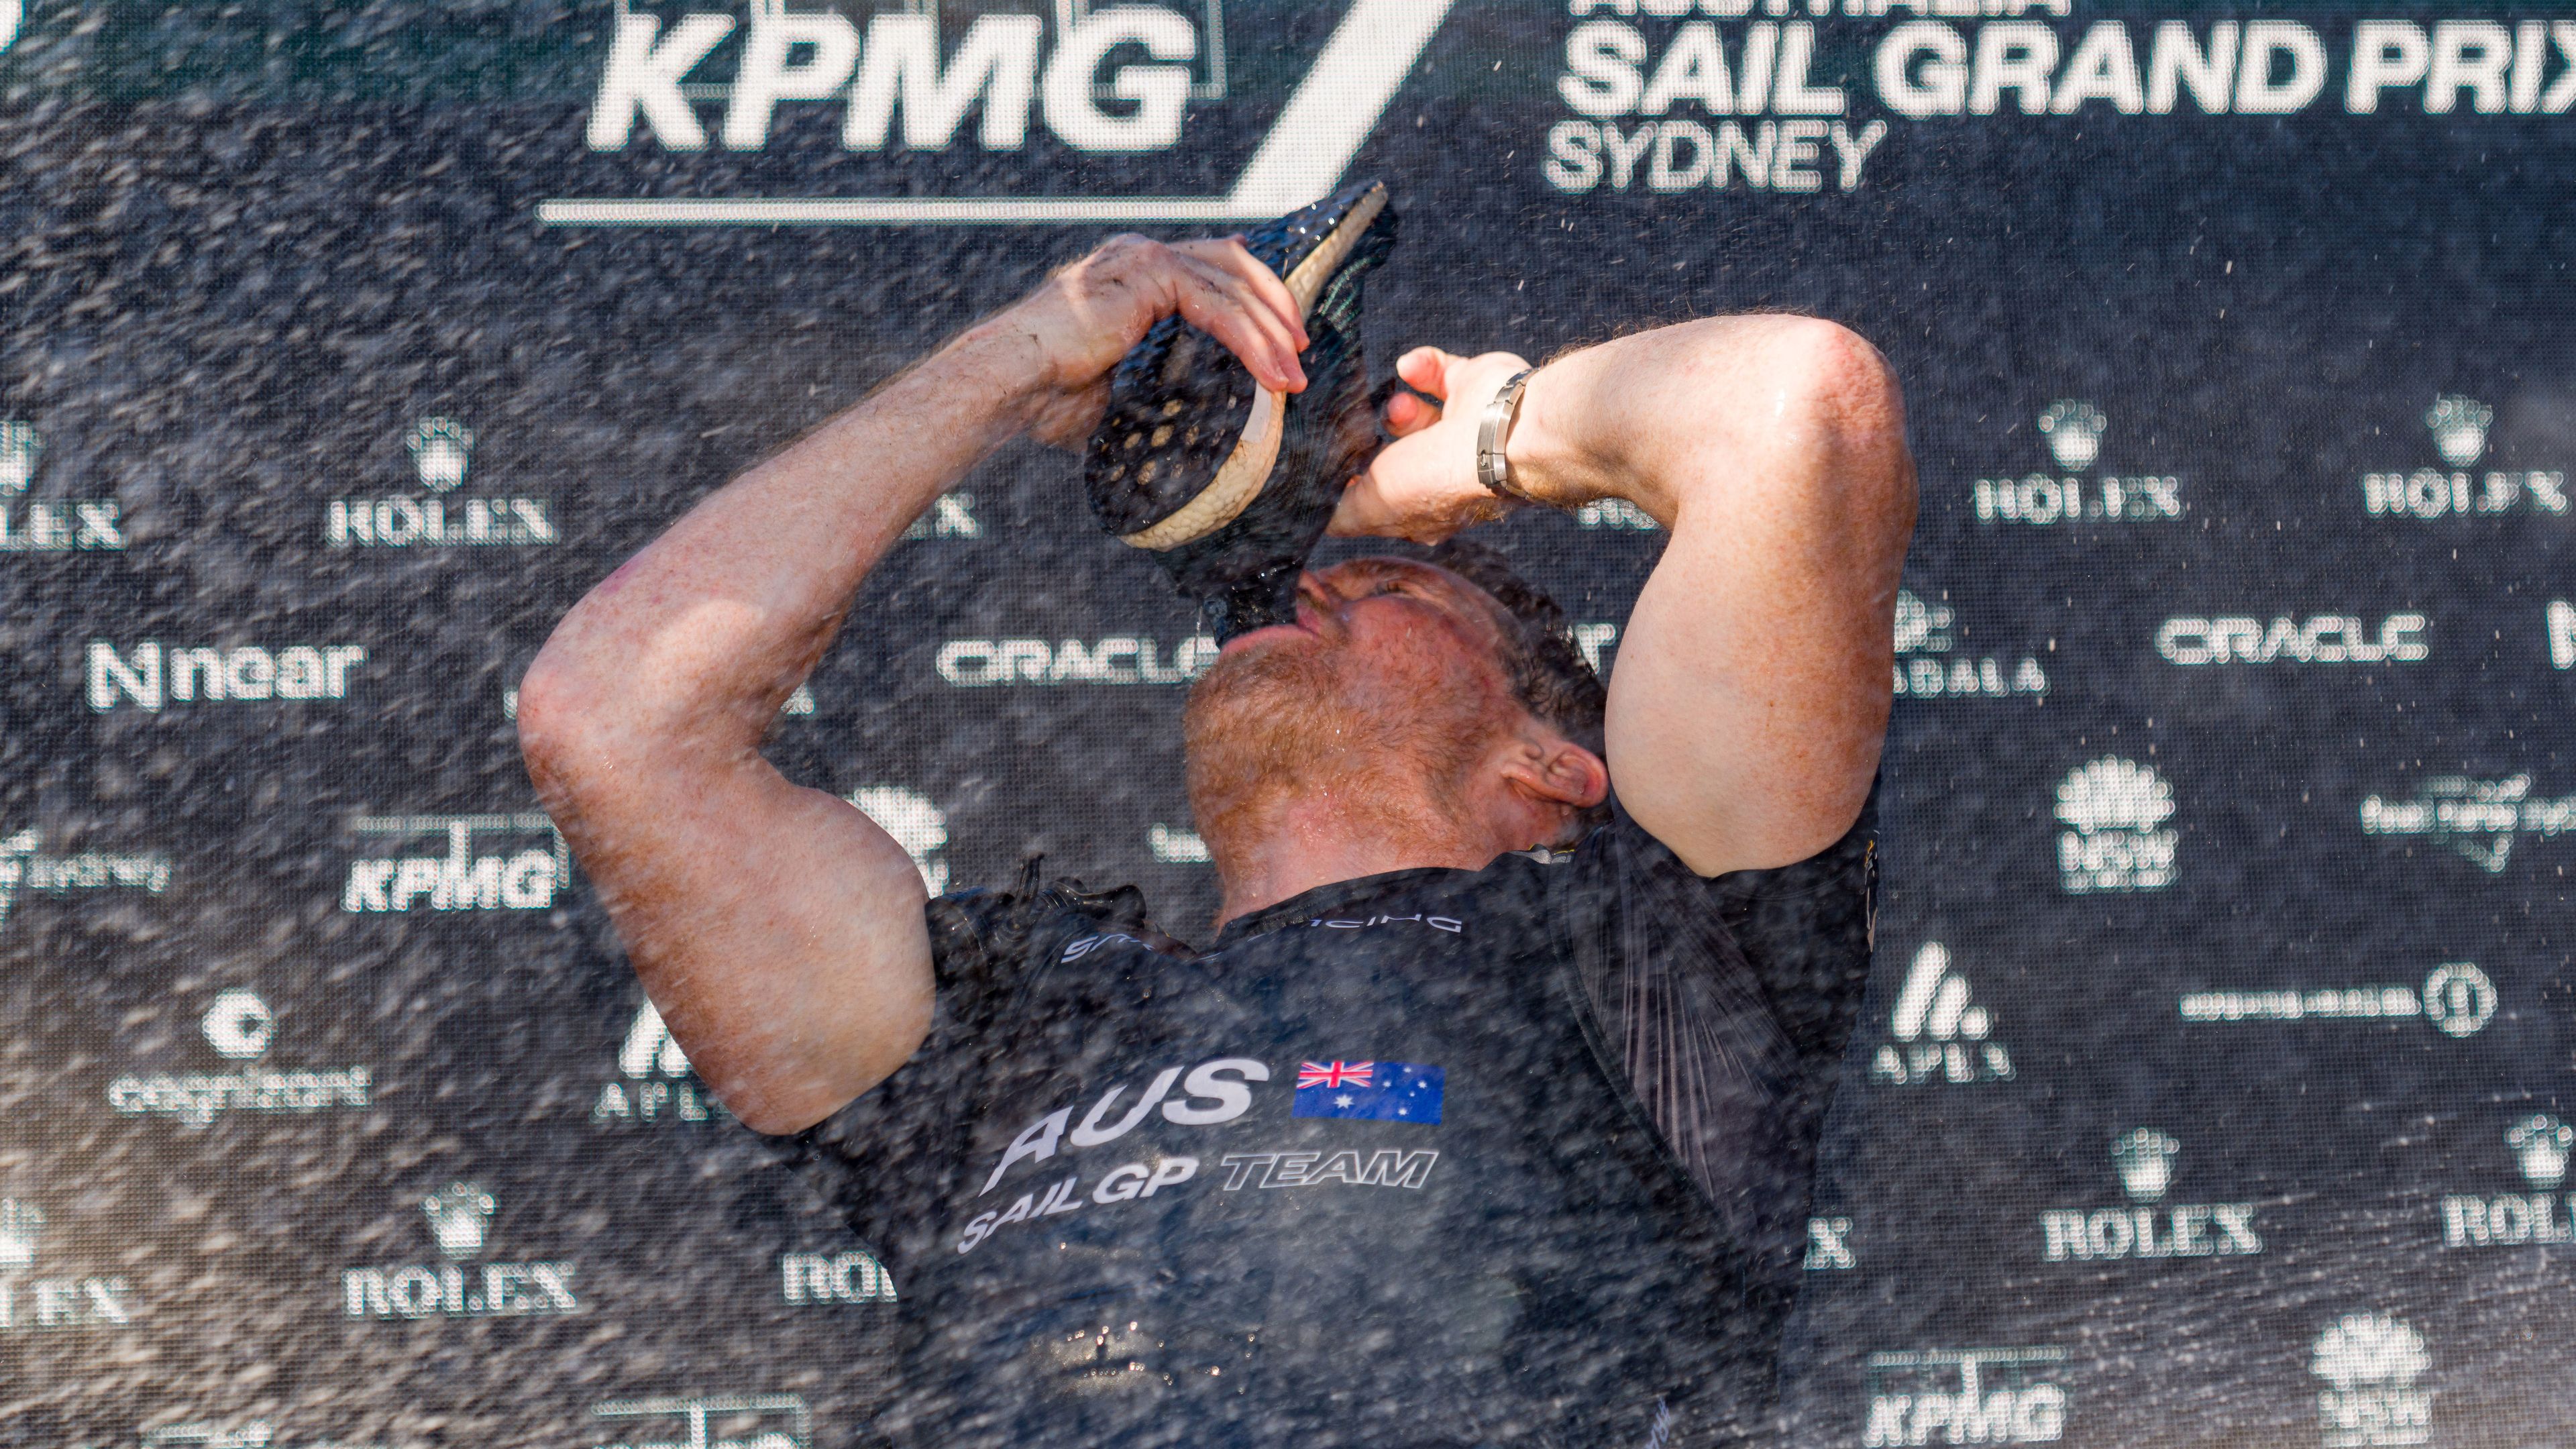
<point>1212,1093</point>
<point>1656,87</point>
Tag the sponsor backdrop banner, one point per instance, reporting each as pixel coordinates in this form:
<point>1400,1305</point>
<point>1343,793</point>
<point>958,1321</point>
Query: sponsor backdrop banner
<point>2212,1082</point>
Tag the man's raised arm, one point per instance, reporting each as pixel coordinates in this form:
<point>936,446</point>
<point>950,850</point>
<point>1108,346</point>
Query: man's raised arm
<point>1751,690</point>
<point>776,928</point>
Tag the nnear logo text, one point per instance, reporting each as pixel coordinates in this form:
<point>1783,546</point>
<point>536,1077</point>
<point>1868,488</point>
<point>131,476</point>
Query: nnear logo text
<point>152,674</point>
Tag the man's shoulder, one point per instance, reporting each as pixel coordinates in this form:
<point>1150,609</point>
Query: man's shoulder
<point>981,939</point>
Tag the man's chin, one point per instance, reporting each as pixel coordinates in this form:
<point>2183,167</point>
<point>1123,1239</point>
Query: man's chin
<point>1267,635</point>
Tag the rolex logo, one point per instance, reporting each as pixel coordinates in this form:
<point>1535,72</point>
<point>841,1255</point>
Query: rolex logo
<point>19,450</point>
<point>239,1025</point>
<point>2459,427</point>
<point>2147,1226</point>
<point>2540,1144</point>
<point>2145,1159</point>
<point>20,1225</point>
<point>2073,430</point>
<point>440,450</point>
<point>458,1215</point>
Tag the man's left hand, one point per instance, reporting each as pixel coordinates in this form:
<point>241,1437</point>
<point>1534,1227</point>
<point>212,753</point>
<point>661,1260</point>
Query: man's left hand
<point>1423,486</point>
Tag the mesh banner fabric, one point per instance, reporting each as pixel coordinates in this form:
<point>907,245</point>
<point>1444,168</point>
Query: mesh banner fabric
<point>2213,1082</point>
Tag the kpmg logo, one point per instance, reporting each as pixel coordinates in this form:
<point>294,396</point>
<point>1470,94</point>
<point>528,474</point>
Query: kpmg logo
<point>917,824</point>
<point>2072,430</point>
<point>707,1421</point>
<point>2458,430</point>
<point>24,867</point>
<point>654,1082</point>
<point>2147,1226</point>
<point>1101,79</point>
<point>2114,811</point>
<point>2370,1363</point>
<point>492,863</point>
<point>152,674</point>
<point>2539,1144</point>
<point>1119,659</point>
<point>239,1026</point>
<point>1930,665</point>
<point>48,527</point>
<point>2456,1000</point>
<point>2481,819</point>
<point>821,1279</point>
<point>1966,1396</point>
<point>1936,1034</point>
<point>44,1305</point>
<point>459,1217</point>
<point>442,450</point>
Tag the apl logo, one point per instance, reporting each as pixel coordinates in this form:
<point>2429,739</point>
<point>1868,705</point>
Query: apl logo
<point>653,1081</point>
<point>460,1220</point>
<point>2458,427</point>
<point>1107,79</point>
<point>2114,811</point>
<point>442,450</point>
<point>2480,819</point>
<point>2073,430</point>
<point>1937,1035</point>
<point>2539,1143</point>
<point>1966,1396</point>
<point>52,527</point>
<point>38,1305</point>
<point>2147,1227</point>
<point>239,1026</point>
<point>1927,667</point>
<point>2370,1363</point>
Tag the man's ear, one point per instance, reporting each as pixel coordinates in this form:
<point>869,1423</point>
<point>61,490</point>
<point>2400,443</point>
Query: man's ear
<point>1559,771</point>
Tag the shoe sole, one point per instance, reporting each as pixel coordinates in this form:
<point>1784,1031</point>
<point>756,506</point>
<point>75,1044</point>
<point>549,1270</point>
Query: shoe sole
<point>1240,479</point>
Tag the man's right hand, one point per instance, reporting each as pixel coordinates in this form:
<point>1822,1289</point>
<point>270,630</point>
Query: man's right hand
<point>1075,327</point>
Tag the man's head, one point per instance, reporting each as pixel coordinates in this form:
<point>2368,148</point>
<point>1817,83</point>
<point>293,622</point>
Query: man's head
<point>1434,699</point>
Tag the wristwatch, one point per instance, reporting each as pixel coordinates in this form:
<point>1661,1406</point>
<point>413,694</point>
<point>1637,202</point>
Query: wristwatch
<point>1494,435</point>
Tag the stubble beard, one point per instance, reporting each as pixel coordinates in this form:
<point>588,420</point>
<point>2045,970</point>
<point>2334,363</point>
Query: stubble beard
<point>1266,727</point>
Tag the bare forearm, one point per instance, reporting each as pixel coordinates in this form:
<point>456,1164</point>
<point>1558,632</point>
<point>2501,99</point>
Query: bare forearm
<point>705,632</point>
<point>1686,416</point>
<point>1752,687</point>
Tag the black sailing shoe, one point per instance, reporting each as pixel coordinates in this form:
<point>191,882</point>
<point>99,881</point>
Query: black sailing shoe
<point>1228,483</point>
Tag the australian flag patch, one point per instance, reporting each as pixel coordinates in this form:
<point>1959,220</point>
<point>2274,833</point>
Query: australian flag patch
<point>1370,1091</point>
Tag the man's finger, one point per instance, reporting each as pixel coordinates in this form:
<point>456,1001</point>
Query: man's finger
<point>1229,254</point>
<point>1409,413</point>
<point>1248,330</point>
<point>1426,369</point>
<point>1257,315</point>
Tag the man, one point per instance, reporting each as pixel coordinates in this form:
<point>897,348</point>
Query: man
<point>1455,1136</point>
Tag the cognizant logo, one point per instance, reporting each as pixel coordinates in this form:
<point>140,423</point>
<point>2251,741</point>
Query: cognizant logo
<point>1107,79</point>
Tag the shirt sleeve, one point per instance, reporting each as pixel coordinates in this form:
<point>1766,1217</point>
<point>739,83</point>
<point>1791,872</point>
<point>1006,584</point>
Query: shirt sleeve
<point>1727,1003</point>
